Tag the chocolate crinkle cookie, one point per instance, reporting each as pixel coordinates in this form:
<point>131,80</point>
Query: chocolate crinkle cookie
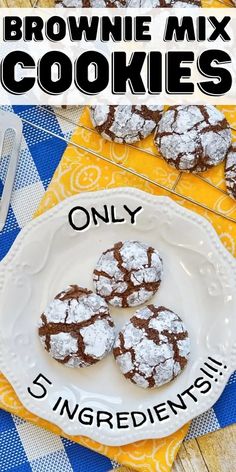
<point>128,274</point>
<point>193,138</point>
<point>153,347</point>
<point>230,171</point>
<point>125,123</point>
<point>76,328</point>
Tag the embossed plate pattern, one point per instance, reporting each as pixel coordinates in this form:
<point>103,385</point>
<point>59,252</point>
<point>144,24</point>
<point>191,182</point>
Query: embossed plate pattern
<point>199,283</point>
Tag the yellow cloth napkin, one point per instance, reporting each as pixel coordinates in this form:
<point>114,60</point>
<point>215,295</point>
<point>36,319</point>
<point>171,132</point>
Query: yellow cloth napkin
<point>80,171</point>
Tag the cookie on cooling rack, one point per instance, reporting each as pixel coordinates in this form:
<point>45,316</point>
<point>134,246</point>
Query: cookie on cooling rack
<point>153,347</point>
<point>125,123</point>
<point>76,328</point>
<point>193,138</point>
<point>230,171</point>
<point>128,274</point>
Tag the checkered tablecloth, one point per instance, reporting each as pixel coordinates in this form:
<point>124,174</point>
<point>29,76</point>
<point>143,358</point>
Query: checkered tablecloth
<point>23,446</point>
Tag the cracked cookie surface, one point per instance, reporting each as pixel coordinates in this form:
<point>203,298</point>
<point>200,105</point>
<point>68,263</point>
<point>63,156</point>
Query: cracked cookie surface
<point>128,274</point>
<point>230,171</point>
<point>193,138</point>
<point>76,328</point>
<point>153,347</point>
<point>125,123</point>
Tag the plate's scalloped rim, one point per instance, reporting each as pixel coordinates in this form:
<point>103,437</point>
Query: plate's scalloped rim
<point>145,433</point>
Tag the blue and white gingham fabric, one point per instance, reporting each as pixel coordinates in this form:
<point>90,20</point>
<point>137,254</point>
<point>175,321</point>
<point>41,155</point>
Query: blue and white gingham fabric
<point>25,447</point>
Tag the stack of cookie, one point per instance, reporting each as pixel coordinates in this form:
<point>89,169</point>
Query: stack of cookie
<point>77,330</point>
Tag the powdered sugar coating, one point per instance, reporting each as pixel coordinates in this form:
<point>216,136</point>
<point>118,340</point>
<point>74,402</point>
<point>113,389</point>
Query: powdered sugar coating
<point>193,138</point>
<point>230,171</point>
<point>127,3</point>
<point>153,347</point>
<point>128,274</point>
<point>91,3</point>
<point>125,123</point>
<point>76,328</point>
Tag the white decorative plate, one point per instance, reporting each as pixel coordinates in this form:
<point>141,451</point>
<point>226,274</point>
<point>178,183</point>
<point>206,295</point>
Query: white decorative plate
<point>199,283</point>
